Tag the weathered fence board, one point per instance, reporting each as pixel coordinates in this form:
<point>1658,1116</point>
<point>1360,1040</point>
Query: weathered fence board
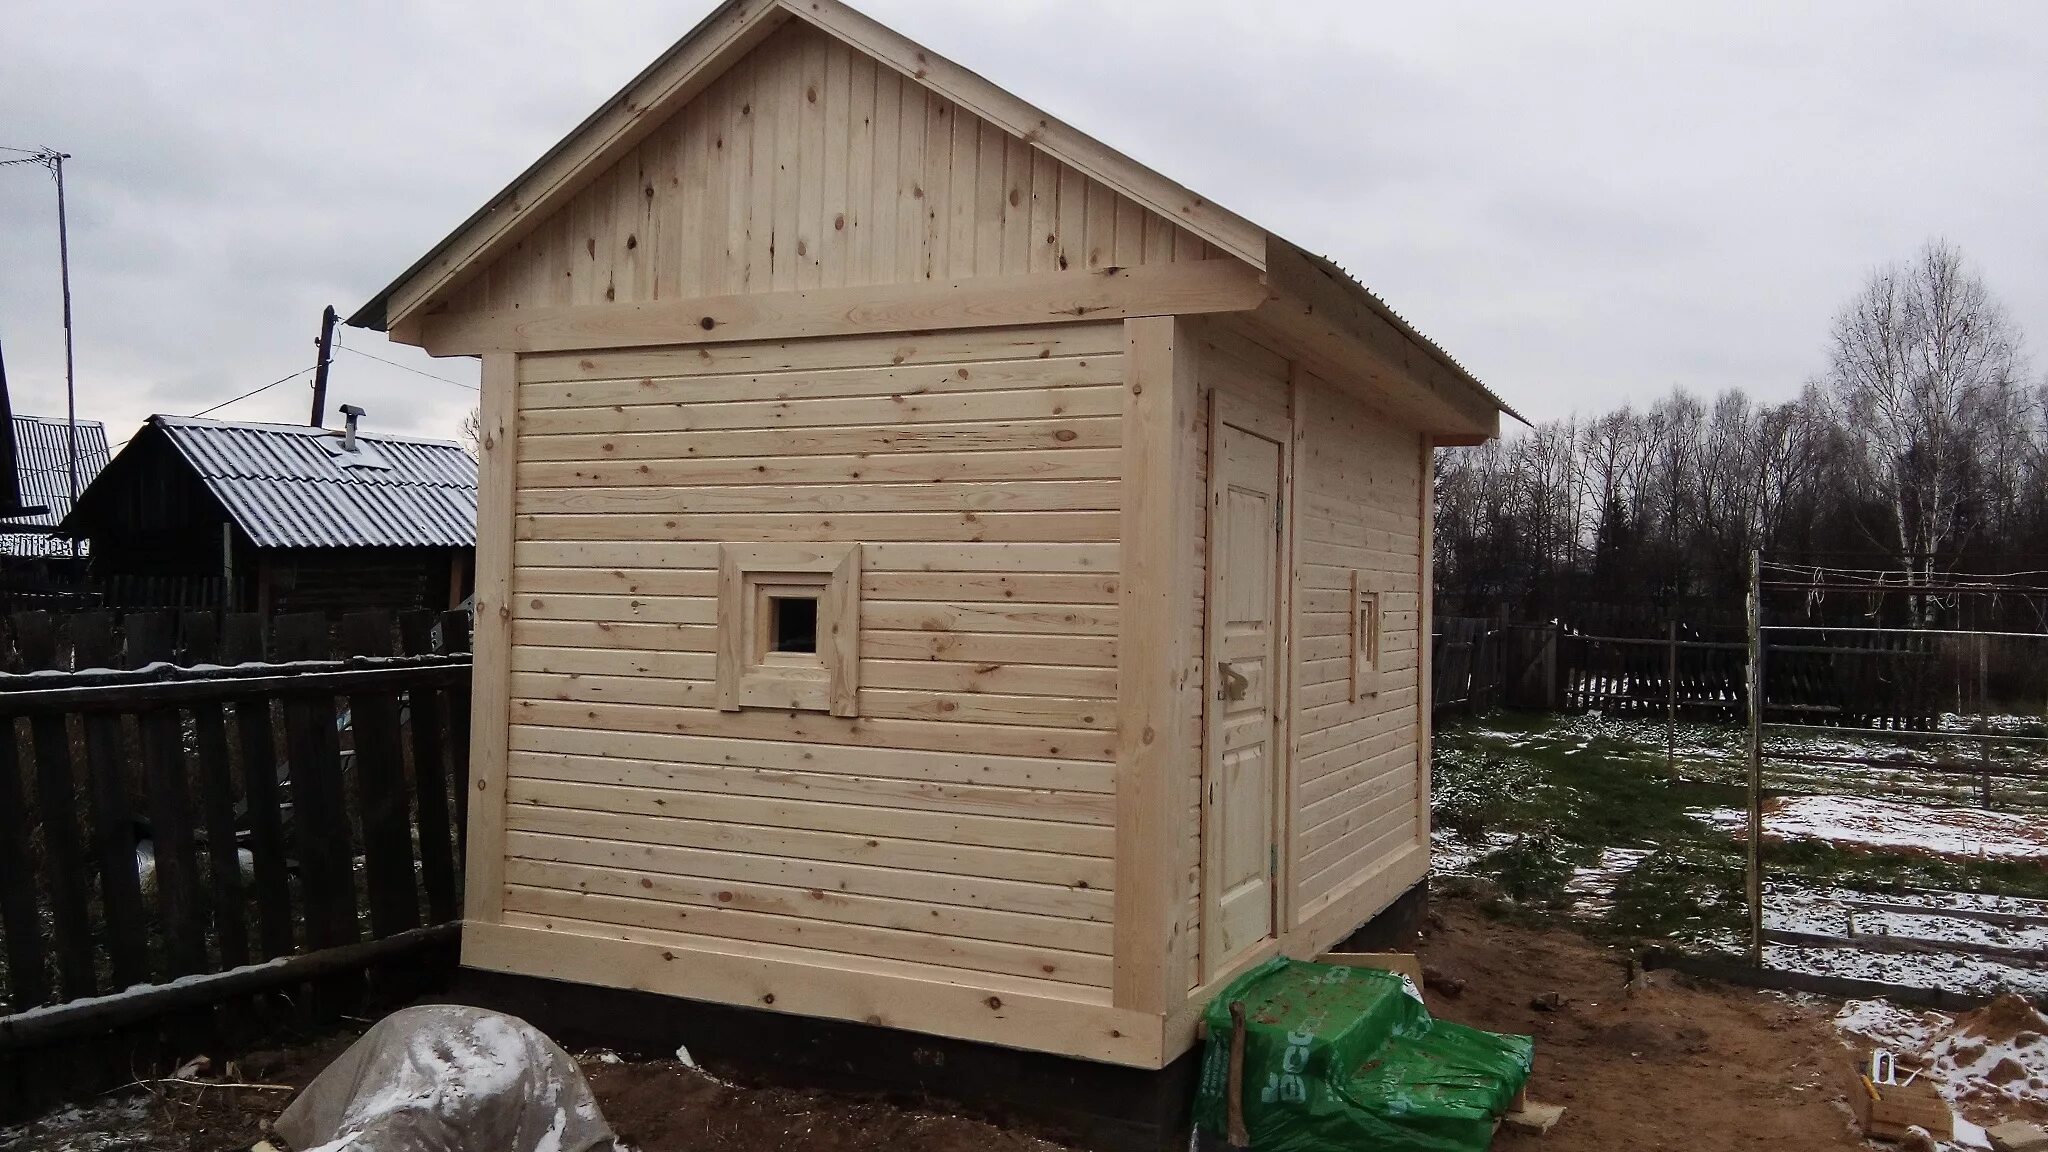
<point>152,822</point>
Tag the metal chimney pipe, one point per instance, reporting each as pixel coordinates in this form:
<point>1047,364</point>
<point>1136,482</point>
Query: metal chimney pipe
<point>348,437</point>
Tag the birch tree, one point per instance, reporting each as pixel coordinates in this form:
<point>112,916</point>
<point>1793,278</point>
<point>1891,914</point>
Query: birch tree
<point>1920,362</point>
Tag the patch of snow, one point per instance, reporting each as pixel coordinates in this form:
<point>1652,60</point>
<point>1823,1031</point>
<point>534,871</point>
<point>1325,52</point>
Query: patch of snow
<point>1866,822</point>
<point>111,1124</point>
<point>1451,855</point>
<point>1592,888</point>
<point>1985,1073</point>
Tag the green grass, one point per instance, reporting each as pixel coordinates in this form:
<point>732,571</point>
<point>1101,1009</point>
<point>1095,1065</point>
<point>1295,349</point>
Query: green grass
<point>1538,796</point>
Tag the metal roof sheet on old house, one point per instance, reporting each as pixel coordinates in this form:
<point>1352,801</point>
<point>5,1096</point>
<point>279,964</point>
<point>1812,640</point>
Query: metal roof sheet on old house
<point>292,486</point>
<point>42,455</point>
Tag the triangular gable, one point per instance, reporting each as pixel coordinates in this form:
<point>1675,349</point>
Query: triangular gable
<point>808,164</point>
<point>680,186</point>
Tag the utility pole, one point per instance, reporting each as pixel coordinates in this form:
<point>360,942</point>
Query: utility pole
<point>327,320</point>
<point>56,161</point>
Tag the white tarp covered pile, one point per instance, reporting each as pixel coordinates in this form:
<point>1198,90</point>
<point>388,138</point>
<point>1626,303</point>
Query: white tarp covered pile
<point>442,1078</point>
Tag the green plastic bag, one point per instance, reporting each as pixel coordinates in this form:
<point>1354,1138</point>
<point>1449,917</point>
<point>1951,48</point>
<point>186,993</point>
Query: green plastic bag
<point>1338,1059</point>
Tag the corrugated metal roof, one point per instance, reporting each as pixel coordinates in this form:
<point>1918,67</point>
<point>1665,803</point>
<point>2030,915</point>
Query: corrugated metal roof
<point>286,488</point>
<point>42,453</point>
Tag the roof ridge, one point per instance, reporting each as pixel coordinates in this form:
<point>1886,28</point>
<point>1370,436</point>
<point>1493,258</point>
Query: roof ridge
<point>307,430</point>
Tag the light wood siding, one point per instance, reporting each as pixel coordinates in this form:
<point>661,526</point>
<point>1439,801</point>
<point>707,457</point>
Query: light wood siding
<point>1355,767</point>
<point>807,165</point>
<point>1257,378</point>
<point>1357,770</point>
<point>964,820</point>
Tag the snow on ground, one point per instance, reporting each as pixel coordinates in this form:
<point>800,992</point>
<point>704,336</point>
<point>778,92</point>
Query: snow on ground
<point>105,1125</point>
<point>1829,912</point>
<point>1449,855</point>
<point>1938,916</point>
<point>1950,971</point>
<point>1866,822</point>
<point>1982,1061</point>
<point>1592,888</point>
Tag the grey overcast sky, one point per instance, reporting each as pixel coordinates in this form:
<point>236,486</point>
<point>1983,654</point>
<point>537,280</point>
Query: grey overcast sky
<point>1586,202</point>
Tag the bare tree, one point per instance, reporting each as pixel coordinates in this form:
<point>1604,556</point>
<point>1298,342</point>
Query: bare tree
<point>1921,363</point>
<point>473,433</point>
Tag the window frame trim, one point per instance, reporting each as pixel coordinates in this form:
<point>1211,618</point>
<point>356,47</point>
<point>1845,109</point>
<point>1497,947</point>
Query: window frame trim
<point>747,676</point>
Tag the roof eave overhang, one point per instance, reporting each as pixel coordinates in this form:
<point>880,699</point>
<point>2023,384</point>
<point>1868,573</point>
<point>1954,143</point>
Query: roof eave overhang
<point>1344,332</point>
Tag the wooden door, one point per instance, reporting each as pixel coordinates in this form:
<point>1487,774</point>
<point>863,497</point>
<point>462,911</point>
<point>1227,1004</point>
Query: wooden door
<point>1240,766</point>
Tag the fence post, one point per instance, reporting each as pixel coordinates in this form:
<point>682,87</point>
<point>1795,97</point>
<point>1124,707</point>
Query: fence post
<point>242,642</point>
<point>1755,876</point>
<point>381,793</point>
<point>108,765</point>
<point>1671,697</point>
<point>152,638</point>
<point>1551,700</point>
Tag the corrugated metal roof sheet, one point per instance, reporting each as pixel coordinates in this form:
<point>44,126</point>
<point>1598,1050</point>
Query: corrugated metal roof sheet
<point>286,489</point>
<point>42,453</point>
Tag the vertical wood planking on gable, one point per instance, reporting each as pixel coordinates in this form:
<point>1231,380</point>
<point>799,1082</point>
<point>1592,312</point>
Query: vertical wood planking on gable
<point>813,177</point>
<point>786,195</point>
<point>808,165</point>
<point>856,250</point>
<point>912,132</point>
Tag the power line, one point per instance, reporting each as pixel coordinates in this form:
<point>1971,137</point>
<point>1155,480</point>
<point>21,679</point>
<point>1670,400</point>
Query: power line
<point>404,367</point>
<point>253,391</point>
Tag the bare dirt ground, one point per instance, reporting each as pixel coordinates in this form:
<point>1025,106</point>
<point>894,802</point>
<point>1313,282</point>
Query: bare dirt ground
<point>1676,1065</point>
<point>1679,1064</point>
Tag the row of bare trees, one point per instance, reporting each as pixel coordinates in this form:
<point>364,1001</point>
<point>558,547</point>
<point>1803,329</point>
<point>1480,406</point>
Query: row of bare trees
<point>1924,445</point>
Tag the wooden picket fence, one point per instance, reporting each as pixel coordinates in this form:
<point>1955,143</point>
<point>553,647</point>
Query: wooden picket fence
<point>212,793</point>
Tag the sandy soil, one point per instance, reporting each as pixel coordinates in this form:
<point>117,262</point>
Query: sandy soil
<point>1676,1065</point>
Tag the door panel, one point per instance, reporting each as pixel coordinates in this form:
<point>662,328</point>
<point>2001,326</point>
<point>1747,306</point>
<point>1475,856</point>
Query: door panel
<point>1240,771</point>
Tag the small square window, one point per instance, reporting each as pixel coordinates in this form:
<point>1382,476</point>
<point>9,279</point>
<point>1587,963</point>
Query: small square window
<point>793,624</point>
<point>789,627</point>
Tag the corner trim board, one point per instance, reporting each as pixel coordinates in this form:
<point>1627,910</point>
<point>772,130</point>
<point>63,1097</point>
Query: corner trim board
<point>1157,669</point>
<point>491,684</point>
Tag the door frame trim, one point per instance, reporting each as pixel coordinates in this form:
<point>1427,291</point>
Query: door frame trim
<point>1224,409</point>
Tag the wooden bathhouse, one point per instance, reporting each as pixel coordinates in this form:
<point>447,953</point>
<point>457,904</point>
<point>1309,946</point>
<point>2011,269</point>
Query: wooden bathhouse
<point>933,570</point>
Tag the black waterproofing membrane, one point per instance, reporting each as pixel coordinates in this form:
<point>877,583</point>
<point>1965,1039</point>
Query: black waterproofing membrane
<point>1339,1058</point>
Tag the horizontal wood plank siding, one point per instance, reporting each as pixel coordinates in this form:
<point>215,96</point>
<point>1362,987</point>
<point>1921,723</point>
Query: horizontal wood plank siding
<point>807,166</point>
<point>1255,379</point>
<point>965,818</point>
<point>1357,769</point>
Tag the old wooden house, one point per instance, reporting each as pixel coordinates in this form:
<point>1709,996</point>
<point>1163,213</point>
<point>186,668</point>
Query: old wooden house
<point>933,570</point>
<point>197,513</point>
